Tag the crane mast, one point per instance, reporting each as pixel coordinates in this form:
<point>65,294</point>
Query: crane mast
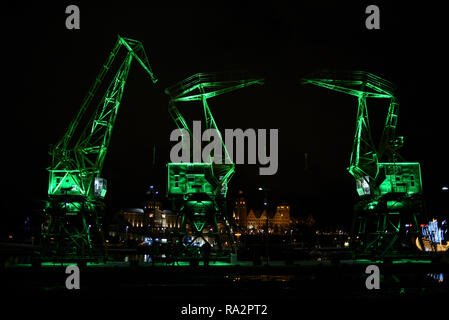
<point>75,187</point>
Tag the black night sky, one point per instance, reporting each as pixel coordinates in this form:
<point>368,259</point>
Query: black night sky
<point>49,70</point>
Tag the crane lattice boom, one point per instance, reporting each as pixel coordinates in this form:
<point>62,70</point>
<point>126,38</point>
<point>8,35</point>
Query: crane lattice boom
<point>77,159</point>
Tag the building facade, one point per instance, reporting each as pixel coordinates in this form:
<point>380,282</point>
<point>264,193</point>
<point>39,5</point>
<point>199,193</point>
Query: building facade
<point>254,221</point>
<point>139,223</point>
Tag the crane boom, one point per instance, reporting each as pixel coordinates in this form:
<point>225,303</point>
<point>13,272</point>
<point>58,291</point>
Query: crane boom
<point>78,159</point>
<point>200,87</point>
<point>365,155</point>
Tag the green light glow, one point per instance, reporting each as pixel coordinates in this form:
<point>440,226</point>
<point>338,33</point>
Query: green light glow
<point>389,188</point>
<point>403,177</point>
<point>412,261</point>
<point>75,188</point>
<point>365,155</point>
<point>77,159</point>
<point>198,190</point>
<point>189,178</point>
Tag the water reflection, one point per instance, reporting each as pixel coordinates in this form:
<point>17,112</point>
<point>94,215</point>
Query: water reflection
<point>264,277</point>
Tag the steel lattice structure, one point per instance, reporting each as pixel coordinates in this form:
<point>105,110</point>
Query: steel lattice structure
<point>198,190</point>
<point>390,189</point>
<point>75,188</point>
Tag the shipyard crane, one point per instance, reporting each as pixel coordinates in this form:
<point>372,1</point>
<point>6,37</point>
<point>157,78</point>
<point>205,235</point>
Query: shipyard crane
<point>72,227</point>
<point>390,189</point>
<point>198,189</point>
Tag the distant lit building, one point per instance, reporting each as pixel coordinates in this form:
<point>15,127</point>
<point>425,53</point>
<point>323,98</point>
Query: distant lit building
<point>132,224</point>
<point>254,220</point>
<point>281,218</point>
<point>161,219</point>
<point>135,217</point>
<point>138,223</point>
<point>434,236</point>
<point>240,211</point>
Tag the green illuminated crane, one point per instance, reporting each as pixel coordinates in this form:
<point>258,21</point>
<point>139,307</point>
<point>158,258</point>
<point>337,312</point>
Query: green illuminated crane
<point>75,187</point>
<point>390,189</point>
<point>198,190</point>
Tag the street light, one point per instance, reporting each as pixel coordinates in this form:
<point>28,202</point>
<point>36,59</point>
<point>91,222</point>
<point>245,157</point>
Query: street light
<point>126,237</point>
<point>445,188</point>
<point>265,204</point>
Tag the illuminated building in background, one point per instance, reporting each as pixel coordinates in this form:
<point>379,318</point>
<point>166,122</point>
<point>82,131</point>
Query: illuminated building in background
<point>135,217</point>
<point>281,217</point>
<point>434,233</point>
<point>150,216</point>
<point>161,219</point>
<point>139,223</point>
<point>254,221</point>
<point>132,224</point>
<point>240,210</point>
<point>434,236</point>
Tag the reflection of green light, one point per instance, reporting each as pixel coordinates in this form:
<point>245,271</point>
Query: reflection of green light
<point>23,265</point>
<point>221,263</point>
<point>190,164</point>
<point>412,261</point>
<point>124,265</point>
<point>59,264</point>
<point>400,261</point>
<point>368,261</point>
<point>211,263</point>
